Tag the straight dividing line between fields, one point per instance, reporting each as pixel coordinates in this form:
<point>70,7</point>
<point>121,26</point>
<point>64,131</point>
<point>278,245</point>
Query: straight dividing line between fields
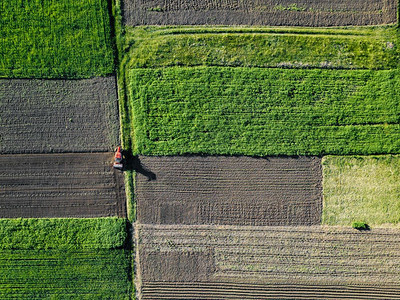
<point>125,134</point>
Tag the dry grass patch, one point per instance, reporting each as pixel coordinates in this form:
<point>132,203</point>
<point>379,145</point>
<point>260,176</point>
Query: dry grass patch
<point>361,188</point>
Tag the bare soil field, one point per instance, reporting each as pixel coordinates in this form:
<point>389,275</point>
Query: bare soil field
<point>245,262</point>
<point>260,12</point>
<point>242,291</point>
<point>229,190</point>
<point>60,185</point>
<point>41,116</point>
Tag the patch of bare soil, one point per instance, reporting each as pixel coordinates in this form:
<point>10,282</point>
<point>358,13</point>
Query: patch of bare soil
<point>267,262</point>
<point>260,12</point>
<point>229,190</point>
<point>42,116</point>
<point>60,185</point>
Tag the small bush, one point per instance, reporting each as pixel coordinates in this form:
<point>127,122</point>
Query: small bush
<point>360,226</point>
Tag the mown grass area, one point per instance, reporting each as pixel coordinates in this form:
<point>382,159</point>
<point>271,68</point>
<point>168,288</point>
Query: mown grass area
<point>253,111</point>
<point>55,39</point>
<point>361,189</point>
<point>349,48</point>
<point>64,259</point>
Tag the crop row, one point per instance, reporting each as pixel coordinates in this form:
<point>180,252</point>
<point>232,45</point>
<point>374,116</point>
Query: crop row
<point>360,48</point>
<point>241,291</point>
<point>64,259</point>
<point>265,111</point>
<point>64,274</point>
<point>55,39</point>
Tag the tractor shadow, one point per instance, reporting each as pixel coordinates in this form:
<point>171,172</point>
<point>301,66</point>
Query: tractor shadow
<point>133,163</point>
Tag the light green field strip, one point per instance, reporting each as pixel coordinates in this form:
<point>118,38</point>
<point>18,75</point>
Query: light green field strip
<point>349,48</point>
<point>64,259</point>
<point>55,39</point>
<point>253,111</point>
<point>361,188</point>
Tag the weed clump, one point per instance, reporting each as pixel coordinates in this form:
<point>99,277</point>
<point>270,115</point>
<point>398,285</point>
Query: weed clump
<point>360,225</point>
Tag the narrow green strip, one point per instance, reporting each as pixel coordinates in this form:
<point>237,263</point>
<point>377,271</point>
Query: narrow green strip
<point>340,48</point>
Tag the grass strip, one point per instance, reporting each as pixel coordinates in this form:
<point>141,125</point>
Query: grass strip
<point>337,48</point>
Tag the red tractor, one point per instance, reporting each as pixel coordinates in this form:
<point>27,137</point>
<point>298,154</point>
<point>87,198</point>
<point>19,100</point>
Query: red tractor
<point>118,159</point>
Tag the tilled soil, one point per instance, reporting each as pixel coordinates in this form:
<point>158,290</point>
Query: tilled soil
<point>246,262</point>
<point>259,12</point>
<point>60,185</point>
<point>229,190</point>
<point>242,291</point>
<point>42,116</point>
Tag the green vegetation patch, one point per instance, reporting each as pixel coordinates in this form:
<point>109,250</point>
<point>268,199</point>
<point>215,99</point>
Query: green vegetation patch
<point>25,234</point>
<point>59,274</point>
<point>255,111</point>
<point>361,189</point>
<point>349,48</point>
<point>53,39</point>
<point>64,259</point>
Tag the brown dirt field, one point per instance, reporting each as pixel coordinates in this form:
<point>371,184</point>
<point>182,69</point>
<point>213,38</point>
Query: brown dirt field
<point>41,116</point>
<point>60,185</point>
<point>240,291</point>
<point>229,190</point>
<point>313,262</point>
<point>260,12</point>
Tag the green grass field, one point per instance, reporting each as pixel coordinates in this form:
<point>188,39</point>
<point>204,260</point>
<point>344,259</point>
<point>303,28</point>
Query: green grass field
<point>98,233</point>
<point>361,188</point>
<point>64,259</point>
<point>253,111</point>
<point>348,48</point>
<point>55,39</point>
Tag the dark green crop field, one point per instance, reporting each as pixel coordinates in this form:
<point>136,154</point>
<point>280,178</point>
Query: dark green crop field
<point>255,111</point>
<point>55,39</point>
<point>58,274</point>
<point>347,48</point>
<point>64,259</point>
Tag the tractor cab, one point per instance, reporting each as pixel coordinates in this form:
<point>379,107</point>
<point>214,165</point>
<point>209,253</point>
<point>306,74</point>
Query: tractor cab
<point>118,159</point>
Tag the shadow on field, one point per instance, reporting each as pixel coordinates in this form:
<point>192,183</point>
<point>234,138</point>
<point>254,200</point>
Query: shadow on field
<point>132,163</point>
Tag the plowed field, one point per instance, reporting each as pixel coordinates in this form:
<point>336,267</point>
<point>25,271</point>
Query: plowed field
<point>40,116</point>
<point>241,291</point>
<point>267,262</point>
<point>60,185</point>
<point>229,190</point>
<point>260,12</point>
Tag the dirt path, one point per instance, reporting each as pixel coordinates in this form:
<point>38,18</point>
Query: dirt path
<point>260,12</point>
<point>60,185</point>
<point>229,190</point>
